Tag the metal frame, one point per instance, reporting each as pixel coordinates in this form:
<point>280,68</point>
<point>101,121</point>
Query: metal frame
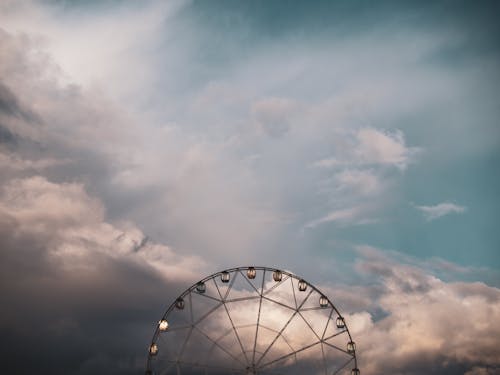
<point>250,362</point>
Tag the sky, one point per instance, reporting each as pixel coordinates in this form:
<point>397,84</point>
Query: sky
<point>145,145</point>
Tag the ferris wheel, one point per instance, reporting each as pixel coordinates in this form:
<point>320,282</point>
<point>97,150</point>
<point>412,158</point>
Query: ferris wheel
<point>252,320</point>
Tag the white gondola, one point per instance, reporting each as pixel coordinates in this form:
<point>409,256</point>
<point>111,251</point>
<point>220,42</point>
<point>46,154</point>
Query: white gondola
<point>153,349</point>
<point>277,275</point>
<point>179,303</point>
<point>323,301</point>
<point>355,371</point>
<point>351,347</point>
<point>201,287</point>
<point>302,285</point>
<point>340,322</point>
<point>251,272</point>
<point>163,325</point>
<point>225,276</point>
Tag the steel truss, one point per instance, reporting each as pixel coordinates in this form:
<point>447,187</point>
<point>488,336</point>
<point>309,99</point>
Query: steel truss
<point>252,320</point>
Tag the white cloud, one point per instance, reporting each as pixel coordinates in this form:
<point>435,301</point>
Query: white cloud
<point>446,208</point>
<point>168,178</point>
<point>327,163</point>
<point>361,164</point>
<point>347,214</point>
<point>363,182</point>
<point>114,46</point>
<point>352,215</point>
<point>74,225</point>
<point>381,147</point>
<point>373,147</point>
<point>447,323</point>
<point>351,188</point>
<point>14,162</point>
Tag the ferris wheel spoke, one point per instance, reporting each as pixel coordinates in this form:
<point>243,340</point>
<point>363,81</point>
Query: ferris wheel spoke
<point>336,347</point>
<point>290,354</point>
<point>335,334</point>
<point>249,283</point>
<point>258,316</point>
<point>343,366</point>
<point>179,328</point>
<point>327,323</point>
<point>318,308</point>
<point>293,291</point>
<point>277,284</point>
<point>204,316</point>
<point>279,303</point>
<point>275,331</point>
<point>188,336</point>
<point>213,346</point>
<point>232,324</point>
<point>324,359</point>
<point>242,299</point>
<point>309,325</point>
<point>231,283</point>
<point>236,333</point>
<point>263,281</point>
<point>209,297</point>
<point>218,345</point>
<point>284,327</point>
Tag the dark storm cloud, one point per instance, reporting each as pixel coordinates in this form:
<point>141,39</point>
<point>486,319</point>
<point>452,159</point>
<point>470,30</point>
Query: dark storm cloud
<point>80,296</point>
<point>72,323</point>
<point>8,102</point>
<point>10,105</point>
<point>6,137</point>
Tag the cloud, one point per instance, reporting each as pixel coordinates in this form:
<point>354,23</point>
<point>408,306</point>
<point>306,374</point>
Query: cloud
<point>85,45</point>
<point>10,105</point>
<point>442,209</point>
<point>14,162</point>
<point>371,146</point>
<point>352,215</point>
<point>386,148</point>
<point>273,114</point>
<point>345,215</point>
<point>362,169</point>
<point>447,323</point>
<point>155,175</point>
<point>85,279</point>
<point>74,224</point>
<point>363,182</point>
<point>326,163</point>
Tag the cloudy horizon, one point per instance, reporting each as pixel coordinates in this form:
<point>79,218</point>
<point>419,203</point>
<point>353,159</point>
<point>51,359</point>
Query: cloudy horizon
<point>145,145</point>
